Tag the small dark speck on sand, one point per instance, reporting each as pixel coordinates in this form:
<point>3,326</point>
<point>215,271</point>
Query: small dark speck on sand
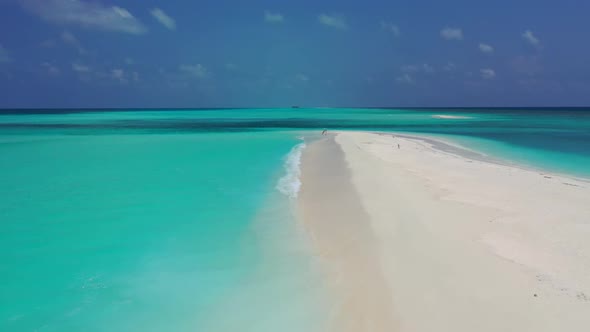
<point>535,295</point>
<point>547,177</point>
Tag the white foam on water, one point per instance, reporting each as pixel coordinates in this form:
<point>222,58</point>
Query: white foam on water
<point>446,116</point>
<point>290,183</point>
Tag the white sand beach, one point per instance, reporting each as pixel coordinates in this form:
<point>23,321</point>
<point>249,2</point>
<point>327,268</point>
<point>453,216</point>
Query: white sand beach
<point>426,238</point>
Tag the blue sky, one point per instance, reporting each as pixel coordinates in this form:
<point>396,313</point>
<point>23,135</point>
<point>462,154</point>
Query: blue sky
<point>124,53</point>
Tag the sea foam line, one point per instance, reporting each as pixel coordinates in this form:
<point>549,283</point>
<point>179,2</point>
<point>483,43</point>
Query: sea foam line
<point>290,183</point>
<point>446,116</point>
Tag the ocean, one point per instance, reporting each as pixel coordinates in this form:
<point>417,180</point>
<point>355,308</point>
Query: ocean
<point>184,220</point>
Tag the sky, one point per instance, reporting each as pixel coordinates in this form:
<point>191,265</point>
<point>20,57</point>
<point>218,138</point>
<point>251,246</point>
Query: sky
<point>280,53</point>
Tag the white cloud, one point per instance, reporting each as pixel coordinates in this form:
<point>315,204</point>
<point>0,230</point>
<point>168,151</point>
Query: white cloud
<point>86,14</point>
<point>271,17</point>
<point>409,68</point>
<point>394,29</point>
<point>424,68</point>
<point>80,68</point>
<point>302,77</point>
<point>449,67</point>
<point>4,57</point>
<point>485,48</point>
<point>451,33</point>
<point>405,79</point>
<point>119,75</point>
<point>197,70</point>
<point>334,21</point>
<point>163,18</point>
<point>531,38</point>
<point>69,39</point>
<point>428,68</point>
<point>51,69</point>
<point>488,73</point>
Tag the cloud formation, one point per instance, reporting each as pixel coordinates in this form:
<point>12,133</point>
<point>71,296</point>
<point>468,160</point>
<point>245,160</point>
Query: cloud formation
<point>449,67</point>
<point>428,68</point>
<point>92,15</point>
<point>4,57</point>
<point>271,17</point>
<point>163,18</point>
<point>423,68</point>
<point>119,75</point>
<point>51,69</point>
<point>302,77</point>
<point>69,39</point>
<point>451,33</point>
<point>487,73</point>
<point>531,38</point>
<point>485,48</point>
<point>78,68</point>
<point>197,70</point>
<point>394,29</point>
<point>333,21</point>
<point>405,79</point>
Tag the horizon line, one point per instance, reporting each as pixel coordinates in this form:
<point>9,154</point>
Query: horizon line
<point>287,107</point>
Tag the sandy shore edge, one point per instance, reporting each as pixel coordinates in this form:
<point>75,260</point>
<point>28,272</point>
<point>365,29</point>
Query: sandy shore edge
<point>423,238</point>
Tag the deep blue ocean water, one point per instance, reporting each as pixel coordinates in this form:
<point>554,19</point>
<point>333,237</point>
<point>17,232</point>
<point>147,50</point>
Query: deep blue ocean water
<point>181,220</point>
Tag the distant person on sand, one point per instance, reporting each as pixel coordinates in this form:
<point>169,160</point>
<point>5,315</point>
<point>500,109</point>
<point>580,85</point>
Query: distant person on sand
<point>398,146</point>
<point>325,132</point>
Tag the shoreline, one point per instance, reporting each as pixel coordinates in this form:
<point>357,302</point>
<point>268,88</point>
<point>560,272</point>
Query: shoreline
<point>343,242</point>
<point>454,243</point>
<point>462,151</point>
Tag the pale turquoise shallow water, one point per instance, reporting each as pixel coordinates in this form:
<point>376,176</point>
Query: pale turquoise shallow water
<point>171,220</point>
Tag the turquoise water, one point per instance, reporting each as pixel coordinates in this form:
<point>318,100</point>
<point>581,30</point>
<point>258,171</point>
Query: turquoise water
<point>147,233</point>
<point>181,220</point>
